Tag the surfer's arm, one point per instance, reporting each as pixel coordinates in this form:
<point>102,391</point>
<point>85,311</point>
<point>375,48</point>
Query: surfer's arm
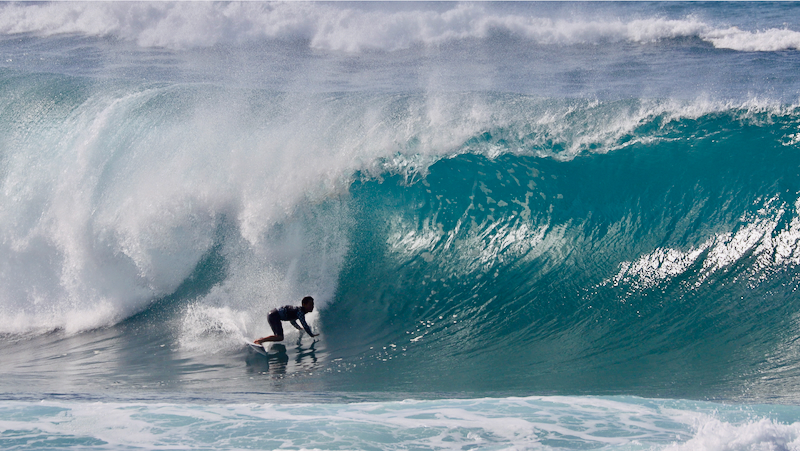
<point>305,326</point>
<point>294,323</point>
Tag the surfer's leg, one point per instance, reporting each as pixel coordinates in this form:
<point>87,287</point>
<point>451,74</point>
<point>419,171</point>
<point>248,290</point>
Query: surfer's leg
<point>270,338</point>
<point>277,329</point>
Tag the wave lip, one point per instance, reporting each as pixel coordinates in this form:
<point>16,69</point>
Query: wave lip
<point>350,29</point>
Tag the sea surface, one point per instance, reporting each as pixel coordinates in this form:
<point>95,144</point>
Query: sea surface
<point>525,225</point>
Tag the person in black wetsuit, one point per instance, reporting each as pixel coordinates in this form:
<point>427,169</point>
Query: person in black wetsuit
<point>289,313</point>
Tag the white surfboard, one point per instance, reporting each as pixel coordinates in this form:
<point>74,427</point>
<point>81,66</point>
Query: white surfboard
<point>258,348</point>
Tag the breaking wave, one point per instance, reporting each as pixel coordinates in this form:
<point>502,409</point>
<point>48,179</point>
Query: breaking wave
<point>351,28</point>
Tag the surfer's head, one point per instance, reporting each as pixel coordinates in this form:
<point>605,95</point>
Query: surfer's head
<point>307,304</point>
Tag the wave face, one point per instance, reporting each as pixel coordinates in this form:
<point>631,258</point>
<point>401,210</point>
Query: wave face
<point>483,198</point>
<point>671,260</point>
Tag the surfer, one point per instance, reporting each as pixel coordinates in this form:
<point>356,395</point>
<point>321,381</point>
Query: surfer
<point>289,313</point>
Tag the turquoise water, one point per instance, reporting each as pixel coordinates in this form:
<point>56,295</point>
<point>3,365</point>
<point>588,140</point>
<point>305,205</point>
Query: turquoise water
<point>566,226</point>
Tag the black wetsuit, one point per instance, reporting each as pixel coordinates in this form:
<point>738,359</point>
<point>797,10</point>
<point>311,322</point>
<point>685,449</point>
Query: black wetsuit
<point>287,313</point>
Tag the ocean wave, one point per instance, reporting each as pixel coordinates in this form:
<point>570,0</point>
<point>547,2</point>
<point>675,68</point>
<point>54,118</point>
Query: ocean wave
<point>770,40</point>
<point>351,29</point>
<point>114,195</point>
<point>630,259</point>
<point>435,230</point>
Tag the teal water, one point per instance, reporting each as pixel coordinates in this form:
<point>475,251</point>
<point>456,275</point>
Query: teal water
<point>546,271</point>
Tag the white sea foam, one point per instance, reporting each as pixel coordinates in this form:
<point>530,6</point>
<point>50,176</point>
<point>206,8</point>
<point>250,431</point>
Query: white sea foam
<point>353,29</point>
<point>771,40</point>
<point>106,209</point>
<point>504,423</point>
<point>763,434</point>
